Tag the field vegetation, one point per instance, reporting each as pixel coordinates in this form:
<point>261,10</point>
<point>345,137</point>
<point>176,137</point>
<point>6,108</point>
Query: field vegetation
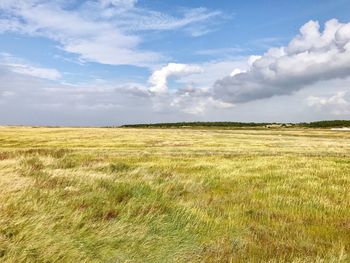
<point>174,195</point>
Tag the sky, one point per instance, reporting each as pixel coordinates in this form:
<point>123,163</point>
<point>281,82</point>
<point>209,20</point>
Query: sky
<point>113,62</point>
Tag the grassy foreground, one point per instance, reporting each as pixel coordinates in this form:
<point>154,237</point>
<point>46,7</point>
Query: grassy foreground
<point>169,195</point>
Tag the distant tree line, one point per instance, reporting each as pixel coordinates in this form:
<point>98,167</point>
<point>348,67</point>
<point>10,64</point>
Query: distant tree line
<point>197,124</point>
<point>316,124</point>
<point>327,124</point>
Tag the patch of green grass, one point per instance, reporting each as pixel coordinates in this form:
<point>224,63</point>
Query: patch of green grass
<point>118,167</point>
<point>32,166</point>
<point>66,162</point>
<point>55,153</point>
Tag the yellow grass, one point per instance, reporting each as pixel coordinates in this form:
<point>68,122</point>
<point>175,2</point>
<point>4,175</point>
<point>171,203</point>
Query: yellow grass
<point>174,195</point>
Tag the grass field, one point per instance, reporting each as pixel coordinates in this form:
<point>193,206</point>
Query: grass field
<point>174,195</point>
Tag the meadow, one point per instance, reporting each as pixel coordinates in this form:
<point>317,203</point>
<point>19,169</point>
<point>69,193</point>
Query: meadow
<point>174,195</point>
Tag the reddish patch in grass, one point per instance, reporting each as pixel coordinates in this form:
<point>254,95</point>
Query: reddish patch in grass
<point>4,156</point>
<point>110,215</point>
<point>82,207</point>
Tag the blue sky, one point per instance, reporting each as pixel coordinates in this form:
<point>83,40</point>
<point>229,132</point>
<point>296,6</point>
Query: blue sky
<point>105,62</point>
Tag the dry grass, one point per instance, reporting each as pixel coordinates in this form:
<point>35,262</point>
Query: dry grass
<point>176,195</point>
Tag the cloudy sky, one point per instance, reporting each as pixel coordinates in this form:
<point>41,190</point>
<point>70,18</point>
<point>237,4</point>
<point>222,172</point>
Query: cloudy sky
<point>110,62</point>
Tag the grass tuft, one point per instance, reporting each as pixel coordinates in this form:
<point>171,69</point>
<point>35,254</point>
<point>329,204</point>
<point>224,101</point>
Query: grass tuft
<point>32,166</point>
<point>66,162</point>
<point>119,167</point>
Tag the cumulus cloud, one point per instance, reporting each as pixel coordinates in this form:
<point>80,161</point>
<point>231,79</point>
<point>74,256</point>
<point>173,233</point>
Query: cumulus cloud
<point>213,70</point>
<point>312,56</point>
<point>188,100</point>
<point>196,101</point>
<point>337,104</point>
<point>237,71</point>
<point>159,78</point>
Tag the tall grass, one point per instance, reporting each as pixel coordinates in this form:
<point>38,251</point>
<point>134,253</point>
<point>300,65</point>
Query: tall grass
<point>111,195</point>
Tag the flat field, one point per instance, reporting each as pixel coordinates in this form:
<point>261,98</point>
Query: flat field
<point>174,195</point>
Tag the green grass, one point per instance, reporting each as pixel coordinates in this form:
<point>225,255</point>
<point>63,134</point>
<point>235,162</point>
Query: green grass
<point>174,195</point>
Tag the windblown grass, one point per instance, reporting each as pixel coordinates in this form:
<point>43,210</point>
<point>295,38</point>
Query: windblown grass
<point>158,195</point>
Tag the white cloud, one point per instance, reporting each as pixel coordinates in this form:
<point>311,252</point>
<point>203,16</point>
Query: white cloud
<point>29,100</point>
<point>103,32</point>
<point>197,105</point>
<point>337,104</point>
<point>193,101</point>
<point>125,4</point>
<point>93,39</point>
<point>110,37</point>
<point>45,73</point>
<point>237,71</point>
<point>195,21</point>
<point>252,59</point>
<point>194,96</point>
<point>310,57</point>
<point>26,99</point>
<point>213,70</point>
<point>186,99</point>
<point>17,65</point>
<point>159,78</point>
